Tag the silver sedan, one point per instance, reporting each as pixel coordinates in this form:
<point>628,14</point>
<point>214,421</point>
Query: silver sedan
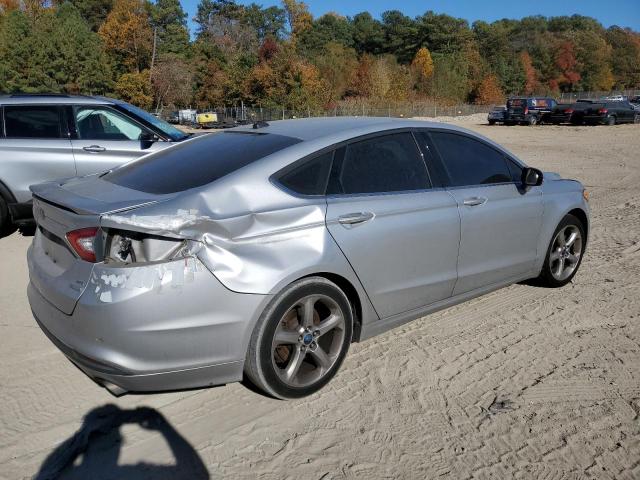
<point>264,251</point>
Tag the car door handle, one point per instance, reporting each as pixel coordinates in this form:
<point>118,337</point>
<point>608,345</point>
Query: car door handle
<point>357,217</point>
<point>94,149</point>
<point>474,201</point>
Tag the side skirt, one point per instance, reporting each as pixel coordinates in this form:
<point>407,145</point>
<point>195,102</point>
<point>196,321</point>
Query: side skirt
<point>376,328</point>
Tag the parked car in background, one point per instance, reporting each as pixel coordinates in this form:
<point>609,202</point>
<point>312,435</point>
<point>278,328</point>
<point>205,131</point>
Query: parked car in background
<point>497,115</point>
<point>528,110</point>
<point>614,98</point>
<point>635,101</point>
<point>45,137</point>
<point>173,117</point>
<point>569,113</point>
<point>267,250</point>
<point>610,113</point>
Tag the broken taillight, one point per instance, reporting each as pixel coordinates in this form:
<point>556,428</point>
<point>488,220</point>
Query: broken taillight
<point>83,243</point>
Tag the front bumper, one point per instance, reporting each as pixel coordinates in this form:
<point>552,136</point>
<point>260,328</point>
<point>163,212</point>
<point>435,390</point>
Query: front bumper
<point>176,332</point>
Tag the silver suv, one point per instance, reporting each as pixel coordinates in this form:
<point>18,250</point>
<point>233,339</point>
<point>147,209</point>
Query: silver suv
<point>46,137</point>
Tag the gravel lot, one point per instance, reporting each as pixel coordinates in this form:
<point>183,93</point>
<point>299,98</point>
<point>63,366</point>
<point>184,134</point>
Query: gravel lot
<point>524,382</point>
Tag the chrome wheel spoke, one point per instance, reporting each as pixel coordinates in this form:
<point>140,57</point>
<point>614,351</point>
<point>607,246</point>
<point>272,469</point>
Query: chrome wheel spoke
<point>307,305</point>
<point>560,268</point>
<point>555,255</point>
<point>294,364</point>
<point>321,357</point>
<point>573,259</point>
<point>572,238</point>
<point>333,321</point>
<point>561,241</point>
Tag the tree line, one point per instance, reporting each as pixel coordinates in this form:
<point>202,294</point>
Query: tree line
<point>281,56</point>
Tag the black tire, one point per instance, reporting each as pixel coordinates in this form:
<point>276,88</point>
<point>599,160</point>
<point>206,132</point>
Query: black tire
<point>265,366</point>
<point>636,119</point>
<point>6,226</point>
<point>611,120</point>
<point>533,121</point>
<point>547,277</point>
<point>492,122</point>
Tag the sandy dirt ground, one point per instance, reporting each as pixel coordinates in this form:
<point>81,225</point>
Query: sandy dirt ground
<point>524,382</point>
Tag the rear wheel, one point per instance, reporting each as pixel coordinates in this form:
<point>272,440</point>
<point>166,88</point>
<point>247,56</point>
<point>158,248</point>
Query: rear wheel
<point>564,254</point>
<point>301,339</point>
<point>533,121</point>
<point>492,122</point>
<point>611,120</point>
<point>636,119</point>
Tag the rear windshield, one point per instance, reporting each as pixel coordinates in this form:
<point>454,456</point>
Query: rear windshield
<point>516,102</point>
<point>197,162</point>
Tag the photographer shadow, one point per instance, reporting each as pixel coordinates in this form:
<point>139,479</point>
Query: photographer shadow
<point>93,451</point>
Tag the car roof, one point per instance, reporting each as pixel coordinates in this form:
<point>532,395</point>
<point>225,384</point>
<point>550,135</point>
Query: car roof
<point>54,99</point>
<point>335,129</point>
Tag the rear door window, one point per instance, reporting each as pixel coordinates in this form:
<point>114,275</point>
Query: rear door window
<point>469,161</point>
<point>32,121</point>
<point>197,162</point>
<point>311,177</point>
<point>389,163</point>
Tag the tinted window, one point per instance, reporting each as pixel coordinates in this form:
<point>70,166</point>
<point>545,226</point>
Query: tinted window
<point>309,178</point>
<point>390,163</point>
<point>172,132</point>
<point>197,162</point>
<point>97,123</point>
<point>470,162</point>
<point>32,122</point>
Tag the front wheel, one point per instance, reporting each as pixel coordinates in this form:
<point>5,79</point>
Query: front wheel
<point>301,339</point>
<point>564,254</point>
<point>533,121</point>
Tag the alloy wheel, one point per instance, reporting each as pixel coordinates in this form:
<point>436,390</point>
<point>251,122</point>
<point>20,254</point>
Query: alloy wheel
<point>565,253</point>
<point>308,340</point>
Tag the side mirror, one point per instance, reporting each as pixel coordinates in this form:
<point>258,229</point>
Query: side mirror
<point>531,177</point>
<point>147,139</point>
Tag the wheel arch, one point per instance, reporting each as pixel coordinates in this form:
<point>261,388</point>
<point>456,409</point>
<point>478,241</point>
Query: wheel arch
<point>352,295</point>
<point>581,215</point>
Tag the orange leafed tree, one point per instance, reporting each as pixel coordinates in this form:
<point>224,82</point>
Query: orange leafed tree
<point>567,64</point>
<point>489,91</point>
<point>127,33</point>
<point>531,82</point>
<point>7,6</point>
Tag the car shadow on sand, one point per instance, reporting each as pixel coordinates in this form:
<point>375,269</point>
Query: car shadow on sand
<point>93,451</point>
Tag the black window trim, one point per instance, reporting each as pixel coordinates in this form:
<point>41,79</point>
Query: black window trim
<point>448,185</point>
<point>58,107</point>
<point>275,177</point>
<point>73,127</point>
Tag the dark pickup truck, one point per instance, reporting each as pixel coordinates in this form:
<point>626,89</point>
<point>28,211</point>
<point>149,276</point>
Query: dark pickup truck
<point>610,113</point>
<point>528,110</point>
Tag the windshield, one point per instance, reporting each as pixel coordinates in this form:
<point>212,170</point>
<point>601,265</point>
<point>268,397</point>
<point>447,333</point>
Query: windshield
<point>169,130</point>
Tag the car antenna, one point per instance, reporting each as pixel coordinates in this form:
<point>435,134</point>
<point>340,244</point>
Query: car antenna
<point>260,124</point>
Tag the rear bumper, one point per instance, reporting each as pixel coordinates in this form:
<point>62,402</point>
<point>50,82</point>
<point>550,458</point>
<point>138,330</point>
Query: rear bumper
<point>153,337</point>
<point>595,119</point>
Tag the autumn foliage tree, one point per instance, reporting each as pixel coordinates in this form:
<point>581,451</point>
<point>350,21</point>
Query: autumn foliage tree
<point>127,35</point>
<point>489,92</point>
<point>422,68</point>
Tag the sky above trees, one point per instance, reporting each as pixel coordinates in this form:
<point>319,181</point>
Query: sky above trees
<point>624,13</point>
